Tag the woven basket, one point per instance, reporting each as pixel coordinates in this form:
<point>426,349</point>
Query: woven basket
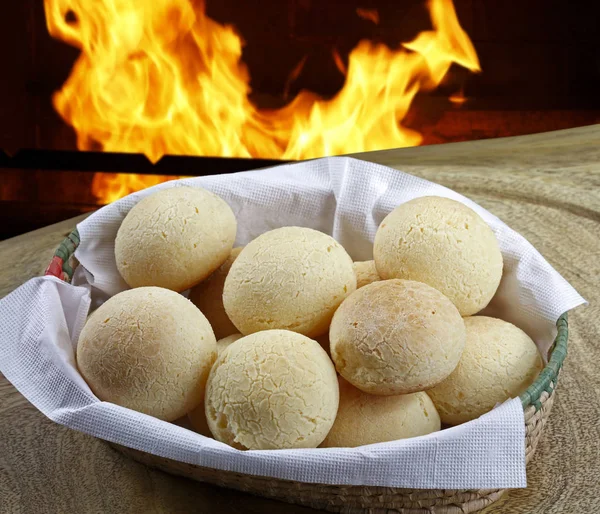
<point>537,403</point>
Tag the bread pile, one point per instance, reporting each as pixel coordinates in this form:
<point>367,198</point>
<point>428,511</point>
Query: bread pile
<point>287,343</point>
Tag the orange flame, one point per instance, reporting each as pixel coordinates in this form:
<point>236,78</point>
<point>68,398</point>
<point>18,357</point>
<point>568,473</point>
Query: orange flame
<point>109,187</point>
<point>458,98</point>
<point>339,63</point>
<point>295,73</point>
<point>159,76</point>
<point>368,14</point>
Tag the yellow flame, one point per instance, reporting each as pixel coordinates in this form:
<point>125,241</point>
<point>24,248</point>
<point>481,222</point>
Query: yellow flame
<point>160,77</point>
<point>111,186</point>
<point>458,98</point>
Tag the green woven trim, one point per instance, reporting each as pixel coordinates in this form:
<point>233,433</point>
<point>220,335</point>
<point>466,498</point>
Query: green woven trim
<point>66,250</point>
<point>546,381</point>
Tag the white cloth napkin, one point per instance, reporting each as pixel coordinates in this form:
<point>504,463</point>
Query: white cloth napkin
<point>40,323</point>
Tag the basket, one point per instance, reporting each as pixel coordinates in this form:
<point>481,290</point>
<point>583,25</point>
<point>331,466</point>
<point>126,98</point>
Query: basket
<point>536,400</point>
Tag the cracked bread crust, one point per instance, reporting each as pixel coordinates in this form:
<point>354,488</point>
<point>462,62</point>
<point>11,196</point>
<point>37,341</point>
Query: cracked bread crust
<point>272,390</point>
<point>208,297</point>
<point>396,337</point>
<point>226,341</point>
<point>500,361</point>
<point>148,349</point>
<point>290,278</point>
<point>444,244</point>
<point>197,417</point>
<point>366,273</point>
<point>174,238</point>
<point>368,419</point>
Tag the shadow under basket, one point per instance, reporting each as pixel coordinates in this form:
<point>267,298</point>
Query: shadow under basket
<point>537,402</point>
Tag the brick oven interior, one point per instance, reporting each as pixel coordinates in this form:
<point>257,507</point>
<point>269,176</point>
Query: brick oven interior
<point>540,71</point>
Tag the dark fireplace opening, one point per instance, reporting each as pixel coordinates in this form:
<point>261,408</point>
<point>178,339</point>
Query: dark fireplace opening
<point>540,71</point>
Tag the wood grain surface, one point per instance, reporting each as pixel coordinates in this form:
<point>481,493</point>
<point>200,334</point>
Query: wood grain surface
<point>546,186</point>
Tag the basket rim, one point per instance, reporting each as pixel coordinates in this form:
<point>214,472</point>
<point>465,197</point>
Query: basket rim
<point>61,268</point>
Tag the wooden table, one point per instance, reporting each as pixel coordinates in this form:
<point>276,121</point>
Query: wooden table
<point>545,186</point>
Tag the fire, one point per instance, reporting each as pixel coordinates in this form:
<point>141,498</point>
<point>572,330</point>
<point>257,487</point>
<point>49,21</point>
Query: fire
<point>368,14</point>
<point>160,77</point>
<point>458,98</point>
<point>109,187</point>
